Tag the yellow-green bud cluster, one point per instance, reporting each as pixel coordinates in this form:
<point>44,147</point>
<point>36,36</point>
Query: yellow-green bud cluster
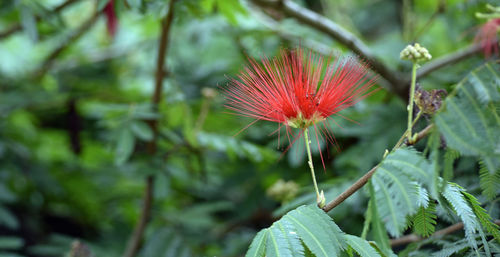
<point>415,53</point>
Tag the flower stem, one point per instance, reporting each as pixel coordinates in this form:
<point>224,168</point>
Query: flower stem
<point>400,141</point>
<point>311,166</point>
<point>410,103</point>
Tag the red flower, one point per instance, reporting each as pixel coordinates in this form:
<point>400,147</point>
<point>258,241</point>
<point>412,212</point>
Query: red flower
<point>298,90</point>
<point>112,21</point>
<point>487,37</point>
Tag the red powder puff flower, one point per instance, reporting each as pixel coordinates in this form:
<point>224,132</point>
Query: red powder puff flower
<point>298,90</point>
<point>487,37</point>
<point>112,20</point>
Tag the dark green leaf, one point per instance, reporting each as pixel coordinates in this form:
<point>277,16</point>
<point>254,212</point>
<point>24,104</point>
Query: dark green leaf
<point>11,243</point>
<point>124,146</point>
<point>467,122</point>
<point>142,130</point>
<point>379,233</point>
<point>7,218</point>
<point>424,221</point>
<point>361,246</point>
<point>396,197</point>
<point>483,216</point>
<point>453,194</point>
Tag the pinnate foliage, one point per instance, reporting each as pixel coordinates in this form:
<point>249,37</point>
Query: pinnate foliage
<point>424,221</point>
<point>361,246</point>
<point>306,229</point>
<point>453,194</point>
<point>469,122</point>
<point>398,191</point>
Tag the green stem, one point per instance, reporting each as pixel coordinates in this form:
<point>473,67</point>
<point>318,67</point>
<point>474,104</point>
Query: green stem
<point>400,141</point>
<point>412,97</point>
<point>310,162</point>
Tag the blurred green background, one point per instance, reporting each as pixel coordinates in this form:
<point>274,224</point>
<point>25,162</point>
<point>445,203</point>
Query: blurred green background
<point>75,110</point>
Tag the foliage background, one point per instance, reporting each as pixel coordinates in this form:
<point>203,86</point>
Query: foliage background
<point>74,126</point>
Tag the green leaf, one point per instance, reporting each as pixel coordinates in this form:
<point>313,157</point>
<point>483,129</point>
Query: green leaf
<point>136,4</point>
<point>11,243</point>
<point>386,253</point>
<point>282,240</point>
<point>317,230</point>
<point>141,130</point>
<point>449,158</point>
<point>379,233</point>
<point>486,83</point>
<point>489,176</point>
<point>361,246</point>
<point>396,197</point>
<point>230,10</point>
<point>451,248</point>
<point>207,5</point>
<point>292,238</point>
<point>237,148</point>
<point>258,246</point>
<point>7,218</point>
<point>453,194</point>
<point>466,121</point>
<point>155,245</point>
<point>304,229</point>
<point>424,221</point>
<point>423,197</point>
<point>411,163</point>
<point>124,146</point>
<point>483,216</point>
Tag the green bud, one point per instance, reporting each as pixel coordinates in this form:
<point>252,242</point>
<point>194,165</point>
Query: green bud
<point>415,53</point>
<point>321,200</point>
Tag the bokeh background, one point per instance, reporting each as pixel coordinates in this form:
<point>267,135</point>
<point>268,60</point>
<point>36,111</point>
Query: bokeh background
<point>81,144</point>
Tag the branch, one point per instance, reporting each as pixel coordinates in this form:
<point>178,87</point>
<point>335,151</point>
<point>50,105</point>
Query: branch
<point>49,60</point>
<point>422,134</point>
<point>343,36</point>
<point>415,238</point>
<point>364,179</point>
<point>18,27</point>
<point>136,238</point>
<point>312,45</point>
<point>351,190</point>
<point>448,60</point>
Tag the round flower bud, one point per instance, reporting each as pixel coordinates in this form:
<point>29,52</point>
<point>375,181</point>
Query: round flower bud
<point>208,92</point>
<point>415,53</point>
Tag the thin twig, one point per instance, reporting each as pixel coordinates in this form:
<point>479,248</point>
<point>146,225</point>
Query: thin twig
<point>422,134</point>
<point>308,43</point>
<point>18,27</point>
<point>394,79</point>
<point>415,238</point>
<point>351,190</point>
<point>343,36</point>
<point>364,179</point>
<point>448,59</point>
<point>49,60</point>
<point>136,237</point>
